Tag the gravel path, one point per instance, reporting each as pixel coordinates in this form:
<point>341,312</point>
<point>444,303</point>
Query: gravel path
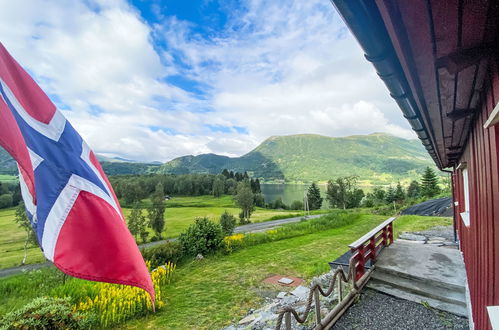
<point>375,310</point>
<point>249,228</point>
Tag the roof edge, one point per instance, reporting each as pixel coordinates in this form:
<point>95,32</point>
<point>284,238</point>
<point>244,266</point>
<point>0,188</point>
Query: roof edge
<point>366,24</point>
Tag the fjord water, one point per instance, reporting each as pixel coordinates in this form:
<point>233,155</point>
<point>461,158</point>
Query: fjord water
<point>288,192</point>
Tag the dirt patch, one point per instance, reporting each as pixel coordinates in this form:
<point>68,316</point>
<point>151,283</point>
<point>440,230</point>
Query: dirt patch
<point>275,280</point>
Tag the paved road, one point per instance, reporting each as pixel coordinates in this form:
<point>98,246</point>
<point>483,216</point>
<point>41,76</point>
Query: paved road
<point>249,228</point>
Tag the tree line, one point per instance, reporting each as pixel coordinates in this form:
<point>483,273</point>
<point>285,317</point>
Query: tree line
<point>10,194</point>
<point>133,188</point>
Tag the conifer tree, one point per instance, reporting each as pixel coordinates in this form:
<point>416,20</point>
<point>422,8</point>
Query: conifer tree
<point>314,197</point>
<point>429,183</point>
<point>399,194</point>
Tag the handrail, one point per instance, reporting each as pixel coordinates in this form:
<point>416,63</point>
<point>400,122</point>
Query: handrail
<point>357,275</point>
<point>366,237</point>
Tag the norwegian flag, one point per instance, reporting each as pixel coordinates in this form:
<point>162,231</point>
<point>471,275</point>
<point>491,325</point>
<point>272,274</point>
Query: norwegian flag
<point>69,200</point>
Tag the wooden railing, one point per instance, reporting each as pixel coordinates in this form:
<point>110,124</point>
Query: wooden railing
<point>364,249</point>
<point>368,246</point>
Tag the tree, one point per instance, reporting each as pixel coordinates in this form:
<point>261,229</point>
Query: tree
<point>245,200</point>
<point>414,189</point>
<point>355,198</point>
<point>228,223</point>
<point>390,195</point>
<point>314,197</point>
<point>379,195</point>
<point>156,213</point>
<point>218,187</point>
<point>343,192</point>
<point>137,223</point>
<point>399,194</point>
<point>23,222</point>
<point>429,183</point>
<point>5,201</point>
<point>259,200</point>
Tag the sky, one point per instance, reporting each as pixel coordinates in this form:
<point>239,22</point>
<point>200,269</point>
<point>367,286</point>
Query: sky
<point>155,80</point>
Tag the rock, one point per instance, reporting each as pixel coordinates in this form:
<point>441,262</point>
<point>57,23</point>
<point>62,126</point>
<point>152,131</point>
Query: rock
<point>436,238</point>
<point>289,300</point>
<point>301,292</point>
<point>435,242</point>
<point>285,280</point>
<point>281,295</point>
<point>249,318</point>
<point>412,237</point>
<point>410,242</point>
<point>199,257</point>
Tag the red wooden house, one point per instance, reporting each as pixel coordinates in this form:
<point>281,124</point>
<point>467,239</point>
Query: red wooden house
<point>439,60</point>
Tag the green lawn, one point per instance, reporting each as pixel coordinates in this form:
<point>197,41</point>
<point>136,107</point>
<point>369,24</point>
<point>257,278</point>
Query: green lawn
<point>5,177</point>
<point>12,242</point>
<point>216,291</point>
<point>180,213</point>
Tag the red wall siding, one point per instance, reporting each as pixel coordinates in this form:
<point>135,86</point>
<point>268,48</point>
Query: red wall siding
<point>480,241</point>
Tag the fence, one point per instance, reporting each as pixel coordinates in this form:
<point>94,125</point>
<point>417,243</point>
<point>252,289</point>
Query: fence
<point>364,249</point>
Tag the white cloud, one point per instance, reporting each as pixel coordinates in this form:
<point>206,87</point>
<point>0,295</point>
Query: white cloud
<point>277,68</point>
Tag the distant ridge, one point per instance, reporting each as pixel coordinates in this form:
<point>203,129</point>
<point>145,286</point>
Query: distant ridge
<point>377,158</point>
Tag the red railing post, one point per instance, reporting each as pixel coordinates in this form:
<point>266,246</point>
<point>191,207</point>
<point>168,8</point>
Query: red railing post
<point>390,233</point>
<point>359,266</point>
<point>372,248</point>
<point>365,249</point>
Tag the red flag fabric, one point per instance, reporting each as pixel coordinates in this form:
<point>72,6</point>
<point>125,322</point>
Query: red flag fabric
<point>69,200</point>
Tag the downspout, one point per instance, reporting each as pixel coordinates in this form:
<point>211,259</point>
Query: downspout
<point>454,224</point>
<point>364,20</point>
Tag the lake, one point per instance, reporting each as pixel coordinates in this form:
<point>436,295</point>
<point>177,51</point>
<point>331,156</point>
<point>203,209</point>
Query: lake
<point>293,192</point>
<point>288,192</point>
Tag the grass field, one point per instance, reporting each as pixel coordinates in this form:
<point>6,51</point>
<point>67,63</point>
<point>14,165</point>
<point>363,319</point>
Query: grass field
<point>180,213</point>
<point>8,178</point>
<point>219,290</point>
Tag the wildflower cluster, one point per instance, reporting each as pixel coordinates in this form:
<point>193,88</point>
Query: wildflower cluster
<point>232,242</point>
<point>116,303</point>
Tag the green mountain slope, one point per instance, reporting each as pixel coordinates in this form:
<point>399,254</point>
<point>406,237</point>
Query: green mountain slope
<point>7,164</point>
<point>375,158</point>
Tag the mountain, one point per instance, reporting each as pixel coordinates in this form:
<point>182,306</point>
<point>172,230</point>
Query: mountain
<point>7,164</point>
<point>376,158</point>
<point>111,165</point>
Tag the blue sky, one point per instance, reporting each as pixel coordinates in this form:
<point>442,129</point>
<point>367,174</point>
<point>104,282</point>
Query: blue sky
<point>155,80</point>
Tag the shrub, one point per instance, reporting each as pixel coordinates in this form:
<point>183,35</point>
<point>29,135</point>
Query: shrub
<point>170,251</point>
<point>114,303</point>
<point>296,205</point>
<point>202,237</point>
<point>228,223</point>
<point>5,201</point>
<point>45,313</point>
<point>233,242</point>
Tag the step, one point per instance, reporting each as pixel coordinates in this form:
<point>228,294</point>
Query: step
<point>421,288</point>
<point>431,264</point>
<point>381,271</point>
<point>397,293</point>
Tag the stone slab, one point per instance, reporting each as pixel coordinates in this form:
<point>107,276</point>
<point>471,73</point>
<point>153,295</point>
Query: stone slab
<point>424,261</point>
<point>285,281</point>
<point>274,279</point>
